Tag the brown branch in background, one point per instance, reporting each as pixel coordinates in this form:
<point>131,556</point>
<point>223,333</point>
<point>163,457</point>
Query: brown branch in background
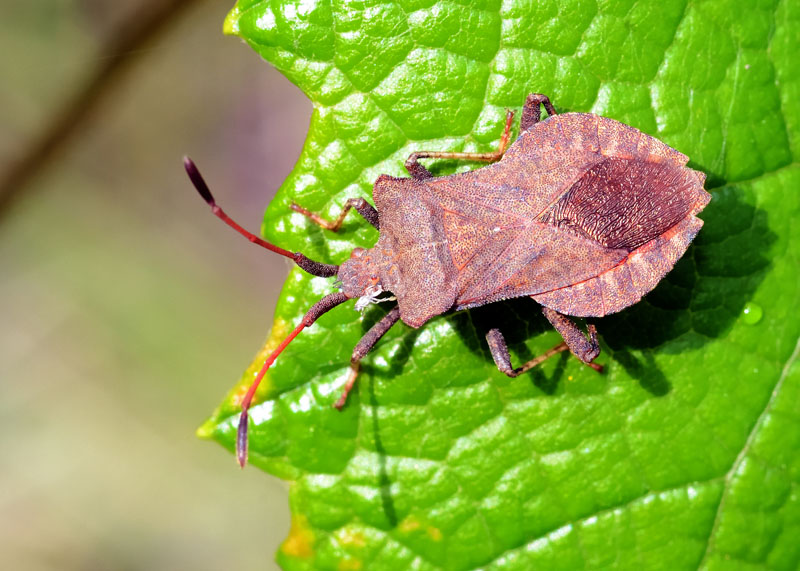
<point>149,20</point>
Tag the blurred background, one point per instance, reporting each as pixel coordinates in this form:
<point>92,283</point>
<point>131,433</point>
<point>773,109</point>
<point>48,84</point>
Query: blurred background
<point>128,310</point>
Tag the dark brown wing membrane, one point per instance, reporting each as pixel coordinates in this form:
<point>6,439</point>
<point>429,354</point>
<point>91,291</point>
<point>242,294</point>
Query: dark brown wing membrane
<point>624,203</point>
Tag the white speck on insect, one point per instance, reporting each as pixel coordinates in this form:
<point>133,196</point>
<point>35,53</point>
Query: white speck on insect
<point>371,296</point>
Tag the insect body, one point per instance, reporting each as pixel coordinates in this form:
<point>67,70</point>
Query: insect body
<point>582,213</point>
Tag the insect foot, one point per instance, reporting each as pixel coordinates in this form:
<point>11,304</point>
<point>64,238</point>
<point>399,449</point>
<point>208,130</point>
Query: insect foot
<point>582,213</point>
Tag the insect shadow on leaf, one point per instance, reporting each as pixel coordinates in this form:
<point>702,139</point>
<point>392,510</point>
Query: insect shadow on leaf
<point>384,481</point>
<point>372,375</point>
<point>649,376</point>
<point>703,296</point>
<point>318,237</point>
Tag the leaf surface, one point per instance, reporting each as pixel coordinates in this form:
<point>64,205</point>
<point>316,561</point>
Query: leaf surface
<point>682,454</point>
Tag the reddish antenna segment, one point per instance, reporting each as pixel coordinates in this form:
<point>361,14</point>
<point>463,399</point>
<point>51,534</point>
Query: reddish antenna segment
<point>322,306</point>
<point>312,267</point>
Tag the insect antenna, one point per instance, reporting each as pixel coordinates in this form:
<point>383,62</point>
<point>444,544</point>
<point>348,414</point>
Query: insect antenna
<point>310,266</point>
<point>322,306</point>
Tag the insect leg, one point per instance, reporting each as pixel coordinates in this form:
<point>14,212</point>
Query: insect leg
<point>499,350</point>
<point>364,208</point>
<point>584,349</point>
<point>531,111</point>
<point>420,172</point>
<point>364,346</point>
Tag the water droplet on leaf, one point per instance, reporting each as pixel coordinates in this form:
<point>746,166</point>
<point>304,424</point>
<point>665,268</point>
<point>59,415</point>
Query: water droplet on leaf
<point>752,313</point>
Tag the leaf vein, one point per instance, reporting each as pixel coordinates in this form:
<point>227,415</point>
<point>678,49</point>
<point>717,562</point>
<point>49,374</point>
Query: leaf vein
<point>727,479</point>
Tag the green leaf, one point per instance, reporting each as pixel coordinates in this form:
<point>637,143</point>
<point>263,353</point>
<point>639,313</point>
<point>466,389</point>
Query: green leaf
<point>682,454</point>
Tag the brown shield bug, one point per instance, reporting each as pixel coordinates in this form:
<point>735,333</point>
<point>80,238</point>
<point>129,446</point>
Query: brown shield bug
<point>582,213</point>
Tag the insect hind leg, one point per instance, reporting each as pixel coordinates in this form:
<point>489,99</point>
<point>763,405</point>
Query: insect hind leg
<point>416,170</point>
<point>574,340</point>
<point>499,350</point>
<point>584,349</point>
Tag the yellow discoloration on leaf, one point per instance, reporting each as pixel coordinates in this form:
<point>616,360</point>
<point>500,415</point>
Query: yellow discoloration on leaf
<point>412,524</point>
<point>409,524</point>
<point>230,26</point>
<point>300,542</point>
<point>280,328</point>
<point>277,334</point>
<point>348,537</point>
<point>434,533</point>
<point>350,565</point>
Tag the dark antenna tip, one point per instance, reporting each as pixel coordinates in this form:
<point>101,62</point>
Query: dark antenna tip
<point>241,440</point>
<point>197,181</point>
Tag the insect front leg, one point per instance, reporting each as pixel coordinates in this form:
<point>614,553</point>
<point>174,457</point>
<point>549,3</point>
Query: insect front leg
<point>364,208</point>
<point>532,112</point>
<point>364,346</point>
<point>418,171</point>
<point>584,349</point>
